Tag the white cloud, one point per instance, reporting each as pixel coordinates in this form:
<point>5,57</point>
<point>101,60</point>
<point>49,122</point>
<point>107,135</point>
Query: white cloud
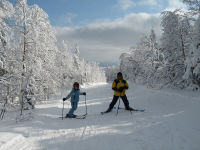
<point>175,4</point>
<point>106,40</point>
<point>169,5</point>
<point>125,4</point>
<point>66,18</point>
<point>148,2</point>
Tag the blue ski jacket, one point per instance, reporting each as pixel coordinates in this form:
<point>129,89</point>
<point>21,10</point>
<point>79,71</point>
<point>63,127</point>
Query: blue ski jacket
<point>74,94</point>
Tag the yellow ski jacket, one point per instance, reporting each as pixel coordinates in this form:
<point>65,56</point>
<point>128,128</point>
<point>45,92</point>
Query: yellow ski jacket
<point>119,84</point>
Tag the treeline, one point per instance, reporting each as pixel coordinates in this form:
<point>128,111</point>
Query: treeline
<point>31,58</point>
<point>174,61</point>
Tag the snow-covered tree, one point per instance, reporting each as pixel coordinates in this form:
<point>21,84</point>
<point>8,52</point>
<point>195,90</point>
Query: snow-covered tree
<point>76,57</point>
<point>174,45</point>
<point>36,46</point>
<point>175,57</point>
<point>45,51</point>
<point>129,65</point>
<point>111,72</point>
<point>194,6</point>
<point>34,59</point>
<point>64,61</point>
<point>73,68</point>
<point>192,74</point>
<point>170,39</point>
<point>143,60</point>
<point>6,12</point>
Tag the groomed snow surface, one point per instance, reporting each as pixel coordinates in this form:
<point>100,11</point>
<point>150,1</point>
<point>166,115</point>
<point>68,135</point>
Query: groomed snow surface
<point>170,122</point>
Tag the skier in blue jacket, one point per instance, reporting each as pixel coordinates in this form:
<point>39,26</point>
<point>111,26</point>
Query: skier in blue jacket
<point>74,94</point>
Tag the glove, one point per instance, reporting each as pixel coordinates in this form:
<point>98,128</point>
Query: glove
<point>121,89</point>
<point>115,89</point>
<point>84,93</point>
<point>126,87</point>
<point>64,99</point>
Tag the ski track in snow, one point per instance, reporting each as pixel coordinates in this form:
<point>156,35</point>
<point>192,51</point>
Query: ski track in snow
<point>170,122</point>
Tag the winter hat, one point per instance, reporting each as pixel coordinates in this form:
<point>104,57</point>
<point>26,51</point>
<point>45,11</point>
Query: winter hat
<point>119,74</point>
<point>76,84</point>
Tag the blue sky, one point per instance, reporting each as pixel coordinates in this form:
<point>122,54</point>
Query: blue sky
<point>83,12</point>
<point>104,29</point>
<point>76,12</point>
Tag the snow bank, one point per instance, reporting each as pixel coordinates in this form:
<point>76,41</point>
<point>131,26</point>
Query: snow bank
<point>13,141</point>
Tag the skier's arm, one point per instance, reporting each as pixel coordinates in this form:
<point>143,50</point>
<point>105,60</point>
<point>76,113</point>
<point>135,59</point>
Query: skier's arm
<point>114,86</point>
<point>82,93</point>
<point>70,95</point>
<point>126,86</point>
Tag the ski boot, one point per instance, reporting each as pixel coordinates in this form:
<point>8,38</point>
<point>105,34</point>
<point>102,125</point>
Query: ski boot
<point>129,108</point>
<point>70,116</point>
<point>108,110</point>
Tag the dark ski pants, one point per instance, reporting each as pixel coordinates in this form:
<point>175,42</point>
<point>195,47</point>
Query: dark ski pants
<point>115,99</point>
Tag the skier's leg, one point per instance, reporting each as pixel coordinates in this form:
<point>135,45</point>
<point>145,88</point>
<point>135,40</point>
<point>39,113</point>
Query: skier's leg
<point>29,101</point>
<point>112,104</point>
<point>74,107</point>
<point>31,104</point>
<point>126,103</point>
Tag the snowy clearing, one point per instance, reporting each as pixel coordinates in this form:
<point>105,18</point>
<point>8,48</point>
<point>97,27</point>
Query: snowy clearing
<point>170,122</point>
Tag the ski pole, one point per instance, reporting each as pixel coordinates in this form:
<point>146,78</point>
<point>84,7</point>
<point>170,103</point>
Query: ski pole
<point>118,104</point>
<point>118,107</point>
<point>131,112</point>
<point>62,110</point>
<point>85,106</point>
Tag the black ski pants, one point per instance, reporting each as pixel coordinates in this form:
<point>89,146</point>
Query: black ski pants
<point>114,101</point>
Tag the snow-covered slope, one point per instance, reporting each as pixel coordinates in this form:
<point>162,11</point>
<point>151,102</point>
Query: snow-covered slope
<point>170,122</point>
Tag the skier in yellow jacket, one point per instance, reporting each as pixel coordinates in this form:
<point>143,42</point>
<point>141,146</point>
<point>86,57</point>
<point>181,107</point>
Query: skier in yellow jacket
<point>119,86</point>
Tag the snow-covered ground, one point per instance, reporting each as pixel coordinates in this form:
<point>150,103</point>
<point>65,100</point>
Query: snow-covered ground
<point>170,122</point>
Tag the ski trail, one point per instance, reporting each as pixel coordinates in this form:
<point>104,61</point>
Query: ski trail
<point>170,121</point>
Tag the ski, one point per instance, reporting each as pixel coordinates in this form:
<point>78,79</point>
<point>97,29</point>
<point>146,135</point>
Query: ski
<point>77,117</point>
<point>117,107</point>
<point>135,110</point>
<point>139,110</point>
<point>81,117</point>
